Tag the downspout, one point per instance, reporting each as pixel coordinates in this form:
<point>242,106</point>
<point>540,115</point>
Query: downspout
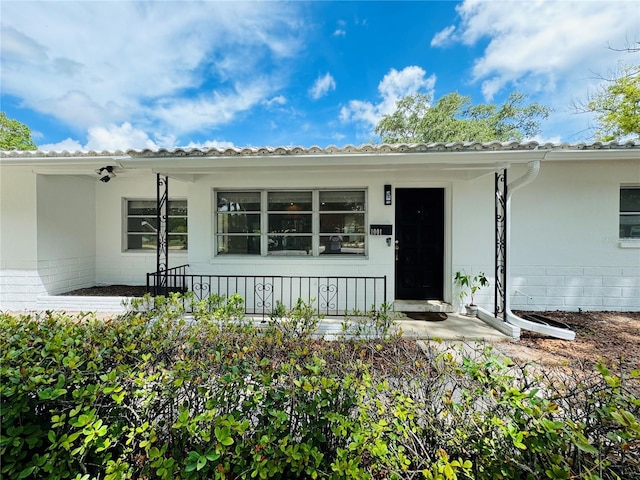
<point>562,333</point>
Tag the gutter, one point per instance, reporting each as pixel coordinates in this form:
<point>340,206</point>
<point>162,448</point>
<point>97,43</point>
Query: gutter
<point>509,316</point>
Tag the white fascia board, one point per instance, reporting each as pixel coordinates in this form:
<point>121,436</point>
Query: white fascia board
<point>435,159</point>
<point>61,165</point>
<point>76,161</point>
<point>187,165</point>
<point>632,154</point>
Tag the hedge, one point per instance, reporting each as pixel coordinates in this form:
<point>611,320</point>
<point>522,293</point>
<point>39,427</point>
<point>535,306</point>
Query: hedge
<point>154,394</point>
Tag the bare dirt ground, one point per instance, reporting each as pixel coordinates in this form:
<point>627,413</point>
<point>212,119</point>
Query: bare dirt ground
<point>611,336</point>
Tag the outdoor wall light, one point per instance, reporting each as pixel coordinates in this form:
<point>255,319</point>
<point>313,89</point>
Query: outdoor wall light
<point>106,173</point>
<point>387,194</point>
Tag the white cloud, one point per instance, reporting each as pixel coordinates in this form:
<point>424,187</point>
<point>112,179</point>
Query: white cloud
<point>101,63</point>
<point>68,145</point>
<point>205,112</point>
<point>277,100</point>
<point>543,44</point>
<point>118,137</point>
<point>124,137</point>
<point>341,29</point>
<point>210,144</point>
<point>111,138</point>
<point>395,85</point>
<point>443,37</point>
<point>322,86</point>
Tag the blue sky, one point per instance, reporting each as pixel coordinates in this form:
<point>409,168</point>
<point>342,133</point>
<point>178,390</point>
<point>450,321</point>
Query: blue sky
<point>107,75</point>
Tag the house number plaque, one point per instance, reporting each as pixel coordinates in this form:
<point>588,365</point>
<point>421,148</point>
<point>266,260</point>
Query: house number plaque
<point>380,229</point>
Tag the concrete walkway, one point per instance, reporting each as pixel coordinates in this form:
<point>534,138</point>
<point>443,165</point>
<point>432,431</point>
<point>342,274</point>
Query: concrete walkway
<point>455,327</point>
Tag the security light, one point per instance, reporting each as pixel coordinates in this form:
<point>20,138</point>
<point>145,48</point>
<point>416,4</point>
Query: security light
<point>106,173</point>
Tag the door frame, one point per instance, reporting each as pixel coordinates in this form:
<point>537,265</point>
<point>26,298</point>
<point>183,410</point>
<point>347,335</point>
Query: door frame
<point>447,282</point>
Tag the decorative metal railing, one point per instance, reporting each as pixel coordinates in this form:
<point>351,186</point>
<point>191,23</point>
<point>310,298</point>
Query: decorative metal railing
<point>333,296</point>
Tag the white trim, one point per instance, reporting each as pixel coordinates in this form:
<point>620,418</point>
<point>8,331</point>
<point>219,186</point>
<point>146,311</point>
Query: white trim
<point>629,243</point>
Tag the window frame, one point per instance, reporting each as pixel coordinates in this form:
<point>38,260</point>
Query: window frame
<point>624,213</point>
<point>125,224</point>
<point>264,235</point>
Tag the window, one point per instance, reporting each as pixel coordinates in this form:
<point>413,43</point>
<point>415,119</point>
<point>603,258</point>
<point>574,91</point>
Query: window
<point>342,222</point>
<point>301,223</point>
<point>142,225</point>
<point>238,221</point>
<point>630,212</point>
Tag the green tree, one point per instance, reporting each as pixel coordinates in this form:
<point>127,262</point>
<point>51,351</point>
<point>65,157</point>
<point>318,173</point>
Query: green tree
<point>14,135</point>
<point>617,105</point>
<point>453,118</point>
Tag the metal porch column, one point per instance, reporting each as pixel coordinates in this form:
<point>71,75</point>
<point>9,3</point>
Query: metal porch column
<point>500,295</point>
<point>162,234</point>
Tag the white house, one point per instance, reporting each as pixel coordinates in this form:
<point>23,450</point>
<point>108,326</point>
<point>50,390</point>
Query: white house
<point>413,214</point>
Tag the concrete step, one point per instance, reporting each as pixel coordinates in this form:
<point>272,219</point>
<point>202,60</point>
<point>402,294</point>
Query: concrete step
<point>423,306</point>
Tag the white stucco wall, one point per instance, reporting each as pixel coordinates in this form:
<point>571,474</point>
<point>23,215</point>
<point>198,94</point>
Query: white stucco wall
<point>473,234</point>
<point>202,258</point>
<point>47,232</point>
<point>114,265</point>
<point>565,250</point>
<point>19,279</point>
<point>66,220</point>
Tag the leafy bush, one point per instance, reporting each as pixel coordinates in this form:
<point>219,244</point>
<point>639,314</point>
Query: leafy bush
<point>153,395</point>
<point>374,323</point>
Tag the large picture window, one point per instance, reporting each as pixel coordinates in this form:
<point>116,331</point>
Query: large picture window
<point>630,212</point>
<point>142,225</point>
<point>292,222</point>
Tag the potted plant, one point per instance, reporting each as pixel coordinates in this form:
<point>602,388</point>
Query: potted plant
<point>469,285</point>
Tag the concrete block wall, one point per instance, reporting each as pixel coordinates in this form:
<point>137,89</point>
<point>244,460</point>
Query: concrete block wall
<point>67,274</point>
<point>570,288</point>
<point>576,288</point>
<point>19,288</point>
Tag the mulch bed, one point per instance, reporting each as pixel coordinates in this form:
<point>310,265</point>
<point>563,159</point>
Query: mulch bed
<point>110,291</point>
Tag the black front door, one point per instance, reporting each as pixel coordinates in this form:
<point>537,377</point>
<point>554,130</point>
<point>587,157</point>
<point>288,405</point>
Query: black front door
<point>419,243</point>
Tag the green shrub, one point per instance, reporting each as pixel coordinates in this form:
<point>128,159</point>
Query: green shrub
<point>374,323</point>
<point>152,395</point>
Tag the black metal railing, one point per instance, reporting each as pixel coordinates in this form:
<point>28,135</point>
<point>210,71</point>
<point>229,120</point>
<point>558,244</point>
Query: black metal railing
<point>337,295</point>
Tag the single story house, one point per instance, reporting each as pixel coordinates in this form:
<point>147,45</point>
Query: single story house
<point>552,226</point>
